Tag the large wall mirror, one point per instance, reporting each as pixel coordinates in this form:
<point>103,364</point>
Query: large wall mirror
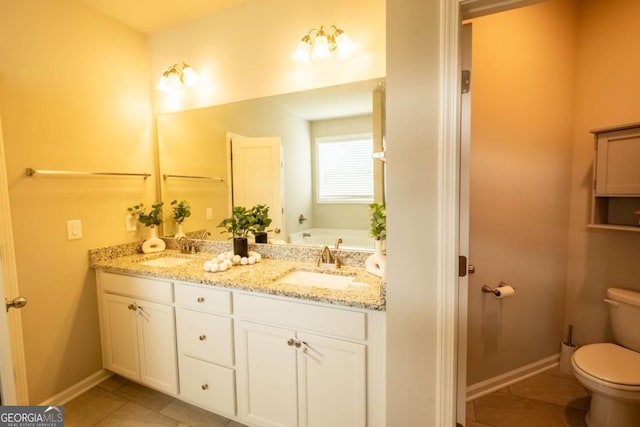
<point>296,152</point>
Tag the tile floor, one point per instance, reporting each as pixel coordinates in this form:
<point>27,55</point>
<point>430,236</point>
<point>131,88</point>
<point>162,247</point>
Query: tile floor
<point>548,399</point>
<point>122,403</point>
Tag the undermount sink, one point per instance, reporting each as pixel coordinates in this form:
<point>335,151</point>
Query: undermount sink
<point>166,261</point>
<point>319,280</point>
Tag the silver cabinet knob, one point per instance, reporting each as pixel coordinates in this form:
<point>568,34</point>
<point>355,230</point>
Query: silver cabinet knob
<point>205,386</point>
<point>200,299</point>
<point>290,342</point>
<point>202,337</point>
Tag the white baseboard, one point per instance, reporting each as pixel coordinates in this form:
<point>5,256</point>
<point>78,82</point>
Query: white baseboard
<point>501,381</point>
<point>77,389</point>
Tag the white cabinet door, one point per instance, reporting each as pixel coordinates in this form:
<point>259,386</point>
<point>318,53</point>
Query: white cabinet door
<point>266,370</point>
<point>119,336</point>
<point>332,384</point>
<point>157,346</point>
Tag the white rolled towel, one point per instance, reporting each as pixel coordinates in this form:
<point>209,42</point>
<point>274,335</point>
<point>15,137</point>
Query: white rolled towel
<point>376,264</point>
<point>154,244</point>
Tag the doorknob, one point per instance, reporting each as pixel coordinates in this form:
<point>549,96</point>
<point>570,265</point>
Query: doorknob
<point>18,302</point>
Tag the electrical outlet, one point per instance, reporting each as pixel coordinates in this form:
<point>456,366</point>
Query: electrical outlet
<point>130,223</point>
<point>209,214</point>
<point>74,229</point>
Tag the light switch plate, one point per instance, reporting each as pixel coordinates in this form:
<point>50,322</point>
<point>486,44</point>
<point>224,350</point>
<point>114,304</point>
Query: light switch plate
<point>209,214</point>
<point>130,223</point>
<point>74,229</point>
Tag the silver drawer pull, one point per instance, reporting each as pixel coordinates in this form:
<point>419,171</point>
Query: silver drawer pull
<point>202,337</point>
<point>200,299</point>
<point>205,386</point>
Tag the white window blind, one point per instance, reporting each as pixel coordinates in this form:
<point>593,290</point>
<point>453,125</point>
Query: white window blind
<point>345,169</point>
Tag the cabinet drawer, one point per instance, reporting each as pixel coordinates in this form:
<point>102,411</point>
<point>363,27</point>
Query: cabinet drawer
<point>205,336</point>
<point>208,385</point>
<point>330,321</point>
<point>138,287</point>
<point>203,298</point>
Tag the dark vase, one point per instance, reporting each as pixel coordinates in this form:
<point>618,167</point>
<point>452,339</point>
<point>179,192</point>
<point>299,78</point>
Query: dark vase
<point>261,237</point>
<point>240,246</point>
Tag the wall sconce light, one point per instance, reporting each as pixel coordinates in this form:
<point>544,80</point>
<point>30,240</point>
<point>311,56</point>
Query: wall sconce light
<point>176,76</point>
<point>321,44</point>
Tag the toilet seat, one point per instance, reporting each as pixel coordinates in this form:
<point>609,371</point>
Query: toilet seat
<point>610,365</point>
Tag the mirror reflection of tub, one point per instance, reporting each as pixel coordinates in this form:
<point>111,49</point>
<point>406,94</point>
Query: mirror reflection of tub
<point>351,239</point>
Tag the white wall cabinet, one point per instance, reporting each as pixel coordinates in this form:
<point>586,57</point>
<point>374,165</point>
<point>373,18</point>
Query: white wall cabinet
<point>616,178</point>
<point>138,335</point>
<point>289,377</point>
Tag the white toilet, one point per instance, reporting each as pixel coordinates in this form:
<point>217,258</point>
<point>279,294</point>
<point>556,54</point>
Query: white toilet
<point>611,372</point>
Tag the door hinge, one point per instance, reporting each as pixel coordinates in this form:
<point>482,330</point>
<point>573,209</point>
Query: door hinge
<point>466,81</point>
<point>462,266</point>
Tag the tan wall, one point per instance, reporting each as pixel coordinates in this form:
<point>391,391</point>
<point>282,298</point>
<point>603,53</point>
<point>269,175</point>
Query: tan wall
<point>412,185</point>
<point>244,52</point>
<point>521,127</point>
<point>607,93</point>
<point>73,96</point>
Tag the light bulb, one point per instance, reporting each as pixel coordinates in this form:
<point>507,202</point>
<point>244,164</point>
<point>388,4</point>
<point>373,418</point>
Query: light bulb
<point>163,84</point>
<point>346,48</point>
<point>173,81</point>
<point>321,47</point>
<point>303,51</point>
<point>189,76</point>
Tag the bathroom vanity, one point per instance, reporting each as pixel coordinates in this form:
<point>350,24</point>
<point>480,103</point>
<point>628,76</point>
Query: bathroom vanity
<point>244,345</point>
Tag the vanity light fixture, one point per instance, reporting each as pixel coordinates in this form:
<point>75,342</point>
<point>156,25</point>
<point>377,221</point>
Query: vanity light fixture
<point>176,76</point>
<point>319,44</point>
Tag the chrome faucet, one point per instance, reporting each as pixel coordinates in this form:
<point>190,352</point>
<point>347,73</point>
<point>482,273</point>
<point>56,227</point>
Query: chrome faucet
<point>327,258</point>
<point>205,234</point>
<point>186,245</point>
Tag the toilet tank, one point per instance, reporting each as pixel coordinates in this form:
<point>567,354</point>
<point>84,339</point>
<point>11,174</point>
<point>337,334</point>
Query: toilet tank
<point>624,312</point>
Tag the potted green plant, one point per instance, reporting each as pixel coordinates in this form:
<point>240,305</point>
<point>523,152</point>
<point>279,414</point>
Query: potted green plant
<point>376,263</point>
<point>262,221</point>
<point>239,224</point>
<point>150,219</point>
<point>181,211</point>
<point>378,221</point>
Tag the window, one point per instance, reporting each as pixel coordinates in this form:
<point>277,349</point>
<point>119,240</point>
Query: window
<point>344,169</point>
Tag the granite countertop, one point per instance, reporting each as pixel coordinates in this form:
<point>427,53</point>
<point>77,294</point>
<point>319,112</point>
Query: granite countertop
<point>260,277</point>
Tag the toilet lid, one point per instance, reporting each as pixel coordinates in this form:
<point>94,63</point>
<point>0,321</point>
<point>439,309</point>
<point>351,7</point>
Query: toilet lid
<point>609,362</point>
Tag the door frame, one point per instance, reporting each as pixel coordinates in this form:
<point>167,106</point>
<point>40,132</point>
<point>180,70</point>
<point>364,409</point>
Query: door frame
<point>452,13</point>
<point>12,366</point>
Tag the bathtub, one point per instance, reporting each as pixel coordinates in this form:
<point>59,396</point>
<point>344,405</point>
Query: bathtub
<point>351,239</point>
